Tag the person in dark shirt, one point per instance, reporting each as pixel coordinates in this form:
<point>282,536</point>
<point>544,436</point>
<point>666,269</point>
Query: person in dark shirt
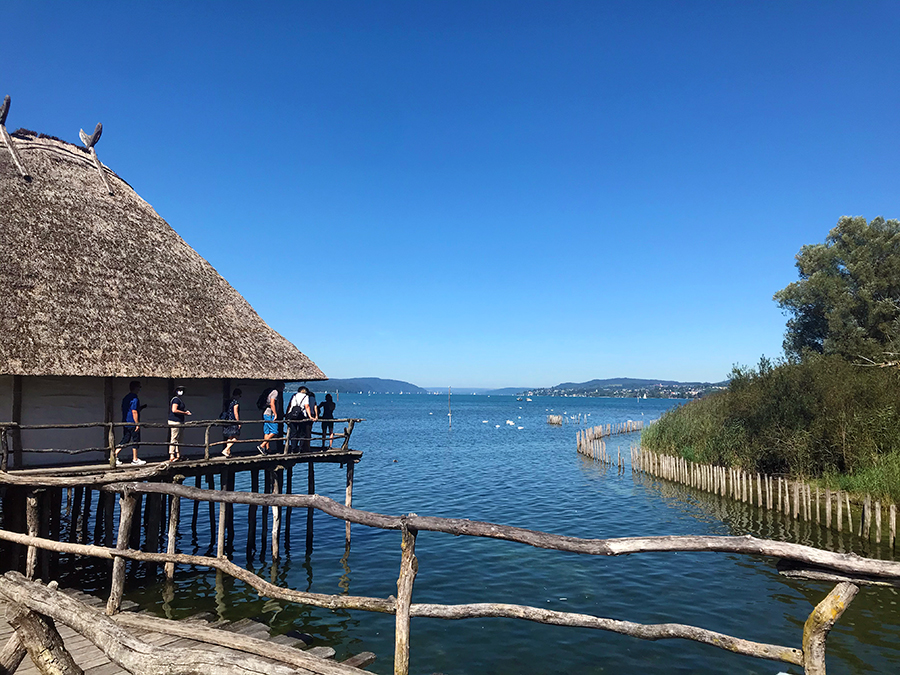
<point>177,412</point>
<point>131,434</point>
<point>327,413</point>
<point>233,431</point>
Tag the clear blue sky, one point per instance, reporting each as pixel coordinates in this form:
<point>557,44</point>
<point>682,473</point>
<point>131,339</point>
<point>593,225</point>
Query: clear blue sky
<point>486,193</point>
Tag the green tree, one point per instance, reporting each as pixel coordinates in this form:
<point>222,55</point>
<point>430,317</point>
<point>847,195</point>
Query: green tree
<point>847,300</point>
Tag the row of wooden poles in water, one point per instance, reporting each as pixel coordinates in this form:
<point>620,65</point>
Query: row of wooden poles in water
<point>797,499</point>
<point>590,441</point>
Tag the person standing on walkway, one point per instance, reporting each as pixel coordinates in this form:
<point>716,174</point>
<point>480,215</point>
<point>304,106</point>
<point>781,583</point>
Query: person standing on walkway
<point>270,414</point>
<point>131,434</point>
<point>296,411</point>
<point>326,408</point>
<point>232,413</point>
<point>177,411</point>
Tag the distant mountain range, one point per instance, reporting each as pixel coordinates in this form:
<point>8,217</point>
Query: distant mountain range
<point>369,385</point>
<point>629,386</point>
<point>617,386</point>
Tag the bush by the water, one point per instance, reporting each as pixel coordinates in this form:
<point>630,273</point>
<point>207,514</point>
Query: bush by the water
<point>823,417</point>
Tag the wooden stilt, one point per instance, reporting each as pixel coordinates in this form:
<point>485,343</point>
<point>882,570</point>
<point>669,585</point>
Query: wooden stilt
<point>348,499</point>
<point>32,518</point>
<point>840,514</point>
<point>311,489</point>
<point>288,488</point>
<point>174,513</point>
<point>877,521</point>
<point>828,508</point>
<point>251,516</point>
<point>74,510</point>
<point>127,507</point>
<point>276,511</point>
<point>44,556</point>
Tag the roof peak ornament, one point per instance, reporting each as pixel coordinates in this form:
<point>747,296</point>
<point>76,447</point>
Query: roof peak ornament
<point>4,111</point>
<point>89,143</point>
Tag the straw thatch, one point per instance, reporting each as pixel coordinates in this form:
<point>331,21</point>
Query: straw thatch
<point>99,285</point>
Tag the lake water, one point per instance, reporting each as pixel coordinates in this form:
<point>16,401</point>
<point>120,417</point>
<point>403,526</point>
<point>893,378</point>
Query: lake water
<point>528,474</point>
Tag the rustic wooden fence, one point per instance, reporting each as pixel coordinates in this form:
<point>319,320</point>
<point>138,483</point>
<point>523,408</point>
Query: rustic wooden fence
<point>847,571</point>
<point>796,499</point>
<point>8,429</point>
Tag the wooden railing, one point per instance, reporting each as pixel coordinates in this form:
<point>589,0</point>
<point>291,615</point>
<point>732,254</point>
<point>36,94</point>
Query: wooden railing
<point>847,571</point>
<point>9,428</point>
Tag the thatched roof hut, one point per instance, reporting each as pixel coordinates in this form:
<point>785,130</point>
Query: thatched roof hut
<point>96,290</point>
<point>93,284</point>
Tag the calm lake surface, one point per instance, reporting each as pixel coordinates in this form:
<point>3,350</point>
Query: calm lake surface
<point>528,474</point>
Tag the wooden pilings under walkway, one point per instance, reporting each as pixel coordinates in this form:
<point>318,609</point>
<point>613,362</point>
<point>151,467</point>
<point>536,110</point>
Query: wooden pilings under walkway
<point>243,643</point>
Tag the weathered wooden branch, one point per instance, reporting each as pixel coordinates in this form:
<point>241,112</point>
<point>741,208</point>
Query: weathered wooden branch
<point>127,505</point>
<point>263,587</point>
<point>794,570</point>
<point>12,654</point>
<point>409,567</point>
<point>83,480</point>
<point>476,610</point>
<point>232,640</point>
<point>4,111</point>
<point>662,631</point>
<point>820,623</point>
<point>129,652</point>
<point>844,562</point>
<point>42,641</point>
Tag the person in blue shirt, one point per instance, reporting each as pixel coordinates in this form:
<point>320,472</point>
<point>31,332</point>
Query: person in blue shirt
<point>131,434</point>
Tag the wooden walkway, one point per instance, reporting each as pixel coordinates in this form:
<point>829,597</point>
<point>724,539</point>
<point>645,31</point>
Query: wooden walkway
<point>94,662</point>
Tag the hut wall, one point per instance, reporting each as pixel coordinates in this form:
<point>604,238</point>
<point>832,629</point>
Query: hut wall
<point>72,400</point>
<point>6,385</point>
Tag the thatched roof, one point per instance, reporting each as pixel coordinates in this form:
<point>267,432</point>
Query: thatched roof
<point>97,284</point>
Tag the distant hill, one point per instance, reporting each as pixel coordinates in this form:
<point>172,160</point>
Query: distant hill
<point>375,385</point>
<point>630,386</point>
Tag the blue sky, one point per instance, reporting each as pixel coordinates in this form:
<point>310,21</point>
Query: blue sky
<point>486,193</point>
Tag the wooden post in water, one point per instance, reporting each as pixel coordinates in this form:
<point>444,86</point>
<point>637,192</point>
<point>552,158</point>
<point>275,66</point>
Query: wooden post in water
<point>32,518</point>
<point>849,514</point>
<point>276,512</point>
<point>840,515</point>
<point>893,526</point>
<point>409,567</point>
<point>348,498</point>
<point>311,489</point>
<point>174,513</point>
<point>127,506</point>
<point>867,517</point>
<point>828,508</point>
<point>877,521</point>
<point>796,511</point>
<point>251,515</point>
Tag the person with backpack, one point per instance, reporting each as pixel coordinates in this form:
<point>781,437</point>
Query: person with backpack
<point>177,411</point>
<point>268,403</point>
<point>302,407</point>
<point>232,432</point>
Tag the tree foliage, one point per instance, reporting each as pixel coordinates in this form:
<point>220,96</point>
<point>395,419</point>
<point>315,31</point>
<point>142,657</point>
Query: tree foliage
<point>847,300</point>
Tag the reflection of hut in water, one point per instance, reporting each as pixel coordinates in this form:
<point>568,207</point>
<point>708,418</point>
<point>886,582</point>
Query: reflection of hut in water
<point>96,290</point>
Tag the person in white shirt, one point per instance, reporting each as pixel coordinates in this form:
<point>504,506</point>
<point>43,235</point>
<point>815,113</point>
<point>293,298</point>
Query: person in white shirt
<point>302,408</point>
